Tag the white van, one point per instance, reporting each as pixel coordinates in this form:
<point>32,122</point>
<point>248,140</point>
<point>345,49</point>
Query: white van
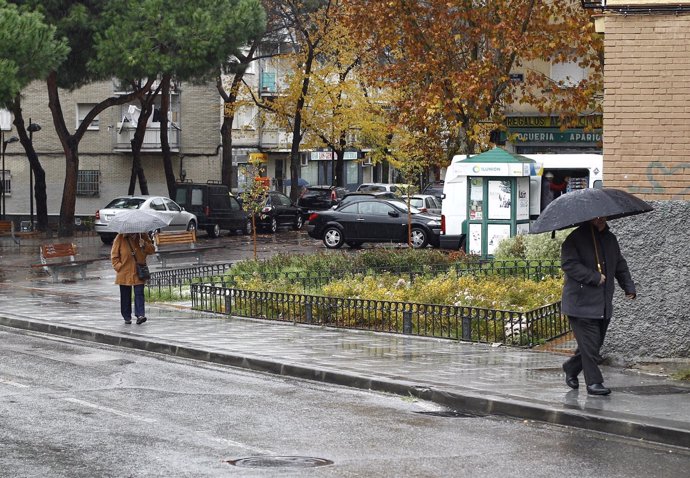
<point>579,171</point>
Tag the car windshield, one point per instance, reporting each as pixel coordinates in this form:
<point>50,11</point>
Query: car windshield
<point>402,205</point>
<point>317,193</point>
<point>125,203</point>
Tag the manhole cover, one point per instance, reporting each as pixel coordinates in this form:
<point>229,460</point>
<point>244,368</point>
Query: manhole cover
<point>653,390</point>
<point>449,414</point>
<point>280,462</point>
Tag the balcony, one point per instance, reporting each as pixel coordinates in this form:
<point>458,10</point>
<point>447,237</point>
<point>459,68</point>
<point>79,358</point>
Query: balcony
<point>123,135</point>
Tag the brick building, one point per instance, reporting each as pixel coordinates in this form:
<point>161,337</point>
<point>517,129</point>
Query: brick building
<point>647,96</point>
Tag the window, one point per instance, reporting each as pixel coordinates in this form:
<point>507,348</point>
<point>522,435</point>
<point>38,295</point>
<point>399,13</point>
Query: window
<point>570,73</point>
<point>88,182</point>
<point>82,110</point>
<point>245,118</point>
<point>172,206</point>
<point>7,187</point>
<point>157,204</point>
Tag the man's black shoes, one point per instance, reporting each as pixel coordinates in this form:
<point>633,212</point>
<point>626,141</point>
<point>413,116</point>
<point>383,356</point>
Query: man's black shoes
<point>572,382</point>
<point>141,320</point>
<point>597,389</point>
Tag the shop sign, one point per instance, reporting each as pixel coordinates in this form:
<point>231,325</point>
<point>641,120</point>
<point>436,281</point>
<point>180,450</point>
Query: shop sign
<point>520,122</point>
<point>554,136</point>
<point>330,156</point>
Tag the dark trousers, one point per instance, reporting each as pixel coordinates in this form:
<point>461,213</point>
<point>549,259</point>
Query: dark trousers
<point>126,301</point>
<point>590,334</point>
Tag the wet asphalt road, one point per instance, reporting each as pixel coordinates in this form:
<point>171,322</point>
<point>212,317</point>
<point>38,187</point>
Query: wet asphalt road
<point>71,409</point>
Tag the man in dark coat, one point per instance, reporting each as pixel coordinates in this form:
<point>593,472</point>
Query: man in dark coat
<point>591,259</point>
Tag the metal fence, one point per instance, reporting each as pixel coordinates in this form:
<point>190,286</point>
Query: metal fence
<point>175,282</point>
<point>429,320</point>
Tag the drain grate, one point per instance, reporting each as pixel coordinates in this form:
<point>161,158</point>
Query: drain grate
<point>450,414</point>
<point>653,390</point>
<point>280,462</point>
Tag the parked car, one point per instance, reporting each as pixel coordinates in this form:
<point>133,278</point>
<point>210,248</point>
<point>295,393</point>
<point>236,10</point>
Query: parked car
<point>398,189</point>
<point>358,196</point>
<point>318,198</point>
<point>214,206</point>
<point>373,220</point>
<point>279,211</point>
<point>435,189</point>
<point>426,203</point>
<point>179,218</point>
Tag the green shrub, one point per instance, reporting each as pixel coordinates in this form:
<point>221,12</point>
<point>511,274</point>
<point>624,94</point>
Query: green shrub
<point>532,247</point>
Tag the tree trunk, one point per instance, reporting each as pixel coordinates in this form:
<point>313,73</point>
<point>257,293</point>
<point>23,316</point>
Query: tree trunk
<point>228,172</point>
<point>165,143</point>
<point>39,192</point>
<point>295,165</point>
<point>137,142</point>
<point>70,145</point>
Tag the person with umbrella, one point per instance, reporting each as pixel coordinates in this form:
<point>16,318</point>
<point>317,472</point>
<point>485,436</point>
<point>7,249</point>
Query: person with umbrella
<point>591,259</point>
<point>130,248</point>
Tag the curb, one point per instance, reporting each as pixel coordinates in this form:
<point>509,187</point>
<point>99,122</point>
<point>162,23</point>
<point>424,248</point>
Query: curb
<point>471,401</point>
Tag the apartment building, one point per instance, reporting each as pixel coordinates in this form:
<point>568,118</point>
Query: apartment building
<point>105,159</point>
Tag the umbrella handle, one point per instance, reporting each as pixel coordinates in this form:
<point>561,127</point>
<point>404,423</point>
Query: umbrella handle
<point>596,249</point>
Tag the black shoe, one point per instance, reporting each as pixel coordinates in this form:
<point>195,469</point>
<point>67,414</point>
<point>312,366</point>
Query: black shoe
<point>598,389</point>
<point>141,320</point>
<point>571,380</point>
<point>128,321</point>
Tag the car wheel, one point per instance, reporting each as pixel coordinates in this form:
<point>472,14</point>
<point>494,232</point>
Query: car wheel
<point>214,231</point>
<point>419,238</point>
<point>354,244</point>
<point>299,222</point>
<point>247,227</point>
<point>333,238</point>
<point>191,226</point>
<point>107,239</point>
<point>274,225</point>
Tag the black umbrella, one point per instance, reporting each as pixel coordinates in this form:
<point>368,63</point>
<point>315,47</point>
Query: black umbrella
<point>582,205</point>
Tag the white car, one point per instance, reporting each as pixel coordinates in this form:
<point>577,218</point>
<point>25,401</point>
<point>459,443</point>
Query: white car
<point>426,203</point>
<point>398,189</point>
<point>180,219</point>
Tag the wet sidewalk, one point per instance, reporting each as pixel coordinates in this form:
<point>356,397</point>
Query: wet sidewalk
<point>473,378</point>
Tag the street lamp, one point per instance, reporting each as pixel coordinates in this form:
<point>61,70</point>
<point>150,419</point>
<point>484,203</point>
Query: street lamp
<point>33,128</point>
<point>12,139</point>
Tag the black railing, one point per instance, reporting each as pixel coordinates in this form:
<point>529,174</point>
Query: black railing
<point>173,283</point>
<point>473,324</point>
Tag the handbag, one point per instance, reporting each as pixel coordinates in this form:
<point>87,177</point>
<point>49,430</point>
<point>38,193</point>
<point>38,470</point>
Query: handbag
<point>143,271</point>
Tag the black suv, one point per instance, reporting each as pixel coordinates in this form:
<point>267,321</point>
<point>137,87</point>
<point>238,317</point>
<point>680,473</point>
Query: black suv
<point>319,198</point>
<point>214,206</point>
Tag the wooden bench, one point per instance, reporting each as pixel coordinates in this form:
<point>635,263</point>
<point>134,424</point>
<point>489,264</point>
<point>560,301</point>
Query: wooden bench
<point>171,245</point>
<point>7,230</point>
<point>56,258</point>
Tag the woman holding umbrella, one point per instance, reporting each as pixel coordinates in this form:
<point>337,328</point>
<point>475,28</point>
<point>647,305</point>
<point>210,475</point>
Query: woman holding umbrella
<point>129,250</point>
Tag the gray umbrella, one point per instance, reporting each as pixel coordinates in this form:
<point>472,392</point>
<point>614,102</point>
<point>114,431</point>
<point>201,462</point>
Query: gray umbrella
<point>136,220</point>
<point>582,205</point>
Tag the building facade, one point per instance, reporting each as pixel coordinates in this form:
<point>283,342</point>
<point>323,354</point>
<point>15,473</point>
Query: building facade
<point>105,159</point>
<point>647,100</point>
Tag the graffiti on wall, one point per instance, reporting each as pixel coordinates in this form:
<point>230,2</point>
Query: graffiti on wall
<point>657,173</point>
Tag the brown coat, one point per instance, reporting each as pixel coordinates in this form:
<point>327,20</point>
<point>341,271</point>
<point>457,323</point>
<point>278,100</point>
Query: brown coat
<point>122,260</point>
